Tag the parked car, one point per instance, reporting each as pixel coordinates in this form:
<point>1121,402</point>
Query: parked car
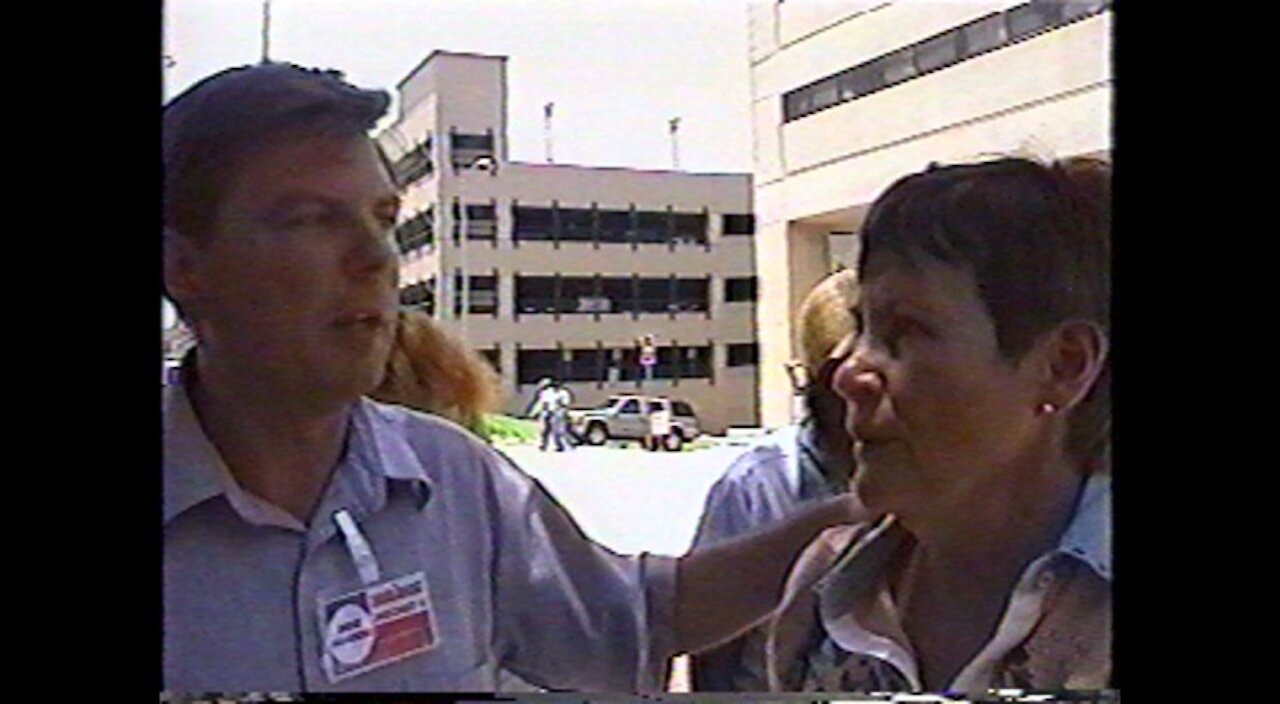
<point>626,417</point>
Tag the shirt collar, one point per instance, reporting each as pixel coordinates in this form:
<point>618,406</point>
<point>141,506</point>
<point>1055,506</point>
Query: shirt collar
<point>193,471</point>
<point>1087,538</point>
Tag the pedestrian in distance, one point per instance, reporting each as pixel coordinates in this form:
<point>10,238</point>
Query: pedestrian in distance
<point>802,462</point>
<point>978,398</point>
<point>546,409</point>
<point>562,400</point>
<point>317,540</point>
<point>659,418</point>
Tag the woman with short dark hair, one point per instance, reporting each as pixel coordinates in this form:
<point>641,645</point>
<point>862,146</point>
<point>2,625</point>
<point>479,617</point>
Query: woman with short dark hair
<point>978,399</point>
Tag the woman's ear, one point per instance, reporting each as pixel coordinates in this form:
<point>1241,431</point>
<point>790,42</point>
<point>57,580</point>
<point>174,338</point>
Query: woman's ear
<point>1074,354</point>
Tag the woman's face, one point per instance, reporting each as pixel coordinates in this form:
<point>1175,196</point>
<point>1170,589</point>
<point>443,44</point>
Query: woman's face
<point>935,411</point>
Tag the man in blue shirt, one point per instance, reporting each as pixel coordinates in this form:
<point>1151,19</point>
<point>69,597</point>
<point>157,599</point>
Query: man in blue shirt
<point>315,540</point>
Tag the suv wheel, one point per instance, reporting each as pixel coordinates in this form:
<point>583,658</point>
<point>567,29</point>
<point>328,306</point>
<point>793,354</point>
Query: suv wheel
<point>673,442</point>
<point>597,434</point>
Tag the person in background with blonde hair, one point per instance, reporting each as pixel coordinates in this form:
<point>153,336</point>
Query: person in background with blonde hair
<point>434,372</point>
<point>808,460</point>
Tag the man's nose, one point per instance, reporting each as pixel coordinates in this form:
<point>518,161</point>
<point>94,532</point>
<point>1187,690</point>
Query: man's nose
<point>373,250</point>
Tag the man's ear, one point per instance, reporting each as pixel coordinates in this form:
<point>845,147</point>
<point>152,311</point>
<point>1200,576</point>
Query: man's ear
<point>182,280</point>
<point>1073,356</point>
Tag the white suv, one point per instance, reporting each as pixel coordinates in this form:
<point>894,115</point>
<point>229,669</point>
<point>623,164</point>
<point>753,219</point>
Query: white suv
<point>627,418</point>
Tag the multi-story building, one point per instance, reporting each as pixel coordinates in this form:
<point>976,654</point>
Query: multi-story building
<point>555,270</point>
<point>849,96</point>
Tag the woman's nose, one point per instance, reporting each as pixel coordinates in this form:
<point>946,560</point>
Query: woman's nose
<point>858,384</point>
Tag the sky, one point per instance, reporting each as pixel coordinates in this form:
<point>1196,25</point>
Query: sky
<point>617,70</point>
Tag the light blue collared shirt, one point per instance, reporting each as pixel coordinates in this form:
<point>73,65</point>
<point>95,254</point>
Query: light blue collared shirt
<point>857,577</point>
<point>513,582</point>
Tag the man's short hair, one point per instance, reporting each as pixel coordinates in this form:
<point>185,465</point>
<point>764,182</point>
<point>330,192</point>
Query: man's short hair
<point>1037,239</point>
<point>216,120</point>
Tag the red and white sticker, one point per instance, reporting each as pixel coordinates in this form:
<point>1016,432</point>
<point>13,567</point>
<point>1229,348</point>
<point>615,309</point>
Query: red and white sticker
<point>376,626</point>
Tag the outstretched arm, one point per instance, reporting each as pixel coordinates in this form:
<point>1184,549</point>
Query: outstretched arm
<point>726,589</point>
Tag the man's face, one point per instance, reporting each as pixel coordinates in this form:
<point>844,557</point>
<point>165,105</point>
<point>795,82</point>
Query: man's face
<point>296,284</point>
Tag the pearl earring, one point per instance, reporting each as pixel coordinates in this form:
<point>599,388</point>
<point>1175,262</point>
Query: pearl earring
<point>1047,409</point>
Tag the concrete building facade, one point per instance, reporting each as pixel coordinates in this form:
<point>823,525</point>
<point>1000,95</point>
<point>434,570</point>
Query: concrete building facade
<point>848,96</point>
<point>556,270</point>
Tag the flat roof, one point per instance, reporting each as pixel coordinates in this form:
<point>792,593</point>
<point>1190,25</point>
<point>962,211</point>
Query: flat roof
<point>545,165</point>
<point>446,52</point>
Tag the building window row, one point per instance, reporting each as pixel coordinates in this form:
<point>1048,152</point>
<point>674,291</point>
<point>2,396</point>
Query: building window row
<point>420,296</point>
<point>416,232</point>
<point>980,36</point>
<point>415,164</point>
<point>472,150</point>
<point>612,364</point>
<point>481,294</point>
<point>567,295</point>
<point>479,219</point>
<point>616,226</point>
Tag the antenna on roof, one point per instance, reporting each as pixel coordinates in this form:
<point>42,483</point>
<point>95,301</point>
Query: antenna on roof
<point>266,30</point>
<point>546,129</point>
<point>674,126</point>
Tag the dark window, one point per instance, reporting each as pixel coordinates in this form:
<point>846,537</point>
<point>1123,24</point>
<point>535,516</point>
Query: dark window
<point>1074,10</point>
<point>897,67</point>
<point>691,295</point>
<point>938,52</point>
<point>466,149</point>
<point>415,232</point>
<point>695,362</point>
<point>825,94</point>
<point>982,35</point>
<point>797,104</point>
<point>651,226</point>
<point>1029,19</point>
<point>666,366</point>
<point>743,354</point>
<point>631,406</point>
<point>482,221</point>
<point>655,295</point>
<point>614,225</point>
<point>483,294</point>
<point>616,290</point>
<point>532,223</point>
<point>680,408</point>
<point>420,296</point>
<point>578,295</point>
<point>740,289</point>
<point>738,224</point>
<point>584,365</point>
<point>494,357</point>
<point>690,227</point>
<point>532,365</point>
<point>985,34</point>
<point>629,364</point>
<point>577,224</point>
<point>535,294</point>
<point>859,81</point>
<point>471,141</point>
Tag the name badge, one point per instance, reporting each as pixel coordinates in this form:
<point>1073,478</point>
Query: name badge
<point>375,626</point>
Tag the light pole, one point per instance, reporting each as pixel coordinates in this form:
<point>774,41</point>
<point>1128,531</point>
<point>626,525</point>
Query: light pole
<point>266,30</point>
